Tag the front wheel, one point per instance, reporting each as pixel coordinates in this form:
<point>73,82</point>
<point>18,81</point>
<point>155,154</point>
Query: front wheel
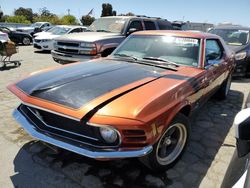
<point>170,146</point>
<point>26,41</point>
<point>224,89</point>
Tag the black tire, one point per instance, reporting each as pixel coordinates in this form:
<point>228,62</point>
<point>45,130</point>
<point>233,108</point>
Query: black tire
<point>179,127</point>
<point>222,93</point>
<point>26,41</point>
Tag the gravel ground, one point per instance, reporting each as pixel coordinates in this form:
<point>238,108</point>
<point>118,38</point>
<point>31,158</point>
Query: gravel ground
<point>25,162</point>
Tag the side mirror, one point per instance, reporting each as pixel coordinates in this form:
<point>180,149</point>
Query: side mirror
<point>242,132</point>
<point>131,30</point>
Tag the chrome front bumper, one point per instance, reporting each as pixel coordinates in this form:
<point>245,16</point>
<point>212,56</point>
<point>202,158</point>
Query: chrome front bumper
<point>75,148</point>
<point>71,57</point>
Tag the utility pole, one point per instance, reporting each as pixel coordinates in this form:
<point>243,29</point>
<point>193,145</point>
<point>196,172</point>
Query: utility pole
<point>68,11</point>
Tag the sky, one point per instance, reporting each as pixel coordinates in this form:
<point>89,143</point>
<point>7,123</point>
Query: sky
<point>210,11</point>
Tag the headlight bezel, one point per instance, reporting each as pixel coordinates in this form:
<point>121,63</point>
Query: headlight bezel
<point>240,55</point>
<point>46,40</point>
<point>87,45</point>
<point>113,133</point>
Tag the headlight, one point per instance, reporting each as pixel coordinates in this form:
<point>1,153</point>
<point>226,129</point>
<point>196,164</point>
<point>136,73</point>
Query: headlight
<point>87,45</point>
<point>240,56</point>
<point>108,134</point>
<point>45,40</point>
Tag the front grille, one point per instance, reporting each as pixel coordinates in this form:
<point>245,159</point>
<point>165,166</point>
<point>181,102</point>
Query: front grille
<point>68,44</point>
<point>70,51</point>
<point>49,123</point>
<point>36,40</point>
<point>36,46</point>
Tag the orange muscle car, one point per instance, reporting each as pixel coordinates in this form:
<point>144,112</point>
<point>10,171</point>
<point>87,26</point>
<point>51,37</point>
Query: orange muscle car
<point>133,103</point>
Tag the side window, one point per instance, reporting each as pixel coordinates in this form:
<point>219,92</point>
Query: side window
<point>149,25</point>
<point>77,30</point>
<point>213,50</point>
<point>164,25</point>
<point>136,25</point>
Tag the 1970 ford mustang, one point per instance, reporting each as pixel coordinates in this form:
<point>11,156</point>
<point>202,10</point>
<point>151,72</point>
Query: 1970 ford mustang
<point>133,103</point>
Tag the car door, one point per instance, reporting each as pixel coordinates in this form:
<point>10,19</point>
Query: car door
<point>215,65</point>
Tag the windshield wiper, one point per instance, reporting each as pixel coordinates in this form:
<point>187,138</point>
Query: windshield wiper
<point>139,61</point>
<point>125,55</point>
<point>102,30</point>
<point>162,60</point>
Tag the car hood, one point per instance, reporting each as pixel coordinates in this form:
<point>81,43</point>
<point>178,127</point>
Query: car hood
<point>41,33</point>
<point>76,85</point>
<point>46,36</point>
<point>237,49</point>
<point>25,28</point>
<point>19,33</point>
<point>88,36</point>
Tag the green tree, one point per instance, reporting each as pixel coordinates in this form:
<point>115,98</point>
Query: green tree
<point>87,20</point>
<point>26,12</point>
<point>128,14</point>
<point>44,12</point>
<point>52,19</point>
<point>69,20</point>
<point>107,10</point>
<point>1,14</point>
<point>17,19</point>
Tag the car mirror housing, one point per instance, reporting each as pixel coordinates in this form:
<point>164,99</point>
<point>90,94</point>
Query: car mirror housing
<point>242,132</point>
<point>131,30</point>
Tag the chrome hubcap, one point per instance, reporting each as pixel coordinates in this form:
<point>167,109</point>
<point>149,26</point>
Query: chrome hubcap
<point>26,41</point>
<point>171,144</point>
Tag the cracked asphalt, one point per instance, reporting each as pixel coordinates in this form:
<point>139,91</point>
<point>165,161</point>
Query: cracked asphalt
<point>25,162</point>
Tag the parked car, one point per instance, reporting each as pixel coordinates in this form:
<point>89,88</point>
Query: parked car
<point>17,37</point>
<point>133,103</point>
<point>102,37</point>
<point>237,175</point>
<point>237,39</point>
<point>45,40</point>
<point>3,37</point>
<point>38,26</point>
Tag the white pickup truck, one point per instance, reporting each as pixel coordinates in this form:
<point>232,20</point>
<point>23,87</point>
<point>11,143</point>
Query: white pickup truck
<point>102,37</point>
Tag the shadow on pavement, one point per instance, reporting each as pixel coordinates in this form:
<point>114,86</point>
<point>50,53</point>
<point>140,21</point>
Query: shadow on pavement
<point>42,52</point>
<point>38,163</point>
<point>12,66</point>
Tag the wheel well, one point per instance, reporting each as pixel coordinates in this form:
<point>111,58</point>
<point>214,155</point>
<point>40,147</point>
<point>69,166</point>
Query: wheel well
<point>186,110</point>
<point>107,52</point>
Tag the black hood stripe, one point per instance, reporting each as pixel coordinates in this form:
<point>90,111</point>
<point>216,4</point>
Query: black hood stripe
<point>74,86</point>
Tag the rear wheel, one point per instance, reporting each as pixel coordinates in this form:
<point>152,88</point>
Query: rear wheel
<point>170,146</point>
<point>26,41</point>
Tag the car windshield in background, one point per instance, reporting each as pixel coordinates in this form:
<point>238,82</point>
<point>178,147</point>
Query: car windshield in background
<point>233,37</point>
<point>59,30</point>
<point>112,25</point>
<point>179,50</point>
<point>36,25</point>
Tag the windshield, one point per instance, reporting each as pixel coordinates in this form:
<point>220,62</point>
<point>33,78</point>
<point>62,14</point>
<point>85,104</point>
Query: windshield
<point>113,25</point>
<point>179,50</point>
<point>36,24</point>
<point>233,37</point>
<point>59,30</point>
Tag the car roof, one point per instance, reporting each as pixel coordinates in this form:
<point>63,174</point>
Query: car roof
<point>193,34</point>
<point>136,16</point>
<point>232,27</point>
